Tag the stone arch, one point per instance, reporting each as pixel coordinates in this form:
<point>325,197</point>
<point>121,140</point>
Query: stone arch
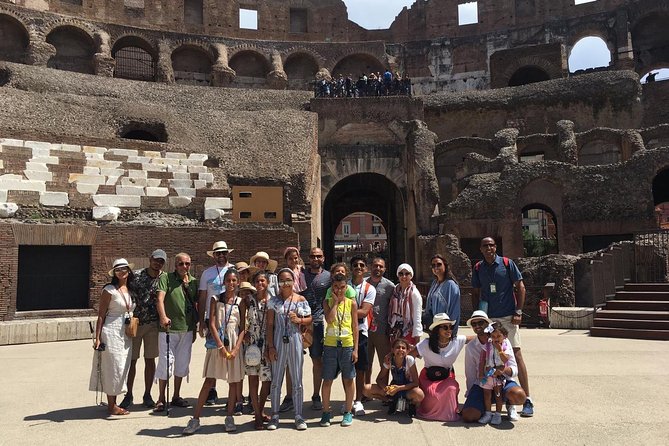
<point>650,40</point>
<point>301,69</point>
<point>75,48</point>
<point>533,145</point>
<point>600,151</point>
<point>357,64</point>
<point>135,58</point>
<point>14,39</point>
<point>251,67</point>
<point>537,69</point>
<point>600,42</point>
<point>192,65</point>
<point>528,74</point>
<point>661,186</point>
<point>373,193</point>
<point>546,195</point>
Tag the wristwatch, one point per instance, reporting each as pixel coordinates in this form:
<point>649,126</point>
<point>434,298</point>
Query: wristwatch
<point>519,312</point>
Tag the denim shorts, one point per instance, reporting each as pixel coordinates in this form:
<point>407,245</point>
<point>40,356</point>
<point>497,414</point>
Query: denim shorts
<point>316,349</point>
<point>336,359</point>
<point>475,396</point>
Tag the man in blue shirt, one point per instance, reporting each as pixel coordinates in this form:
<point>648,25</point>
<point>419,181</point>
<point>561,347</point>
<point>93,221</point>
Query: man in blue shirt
<point>497,284</point>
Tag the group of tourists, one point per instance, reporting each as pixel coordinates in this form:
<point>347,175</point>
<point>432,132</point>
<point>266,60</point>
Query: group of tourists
<point>372,84</point>
<point>257,323</point>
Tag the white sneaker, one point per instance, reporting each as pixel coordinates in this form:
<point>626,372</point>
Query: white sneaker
<point>300,424</point>
<point>358,409</point>
<point>485,419</point>
<point>273,424</point>
<point>512,412</point>
<point>496,419</point>
<point>192,427</point>
<point>230,424</point>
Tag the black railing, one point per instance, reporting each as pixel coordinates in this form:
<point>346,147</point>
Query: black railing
<point>651,256</point>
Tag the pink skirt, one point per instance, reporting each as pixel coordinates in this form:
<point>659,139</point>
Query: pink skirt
<point>441,399</point>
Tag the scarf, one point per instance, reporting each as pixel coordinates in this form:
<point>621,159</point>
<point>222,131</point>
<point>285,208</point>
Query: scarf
<point>401,308</point>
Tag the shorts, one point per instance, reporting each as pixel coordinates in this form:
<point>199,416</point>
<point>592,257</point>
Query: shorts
<point>147,334</point>
<point>316,349</point>
<point>181,345</point>
<point>336,359</point>
<point>262,370</point>
<point>363,362</point>
<point>475,396</point>
<point>513,329</point>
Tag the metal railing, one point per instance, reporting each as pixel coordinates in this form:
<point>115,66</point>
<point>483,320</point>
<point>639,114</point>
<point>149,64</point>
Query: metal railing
<point>651,256</point>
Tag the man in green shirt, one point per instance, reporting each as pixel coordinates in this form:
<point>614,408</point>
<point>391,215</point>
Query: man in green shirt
<point>177,313</point>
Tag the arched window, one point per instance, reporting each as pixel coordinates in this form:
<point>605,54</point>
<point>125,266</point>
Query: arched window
<point>192,66</point>
<point>301,69</point>
<point>528,75</point>
<point>74,50</point>
<point>360,233</point>
<point>14,39</point>
<point>539,227</point>
<point>589,52</point>
<point>135,59</point>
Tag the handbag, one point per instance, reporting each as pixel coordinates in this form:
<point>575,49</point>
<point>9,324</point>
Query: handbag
<point>437,373</point>
<point>307,335</point>
<point>252,355</point>
<point>131,327</point>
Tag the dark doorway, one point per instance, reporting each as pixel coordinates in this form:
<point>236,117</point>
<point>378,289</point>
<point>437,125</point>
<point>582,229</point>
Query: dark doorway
<point>371,193</point>
<point>528,75</point>
<point>53,277</point>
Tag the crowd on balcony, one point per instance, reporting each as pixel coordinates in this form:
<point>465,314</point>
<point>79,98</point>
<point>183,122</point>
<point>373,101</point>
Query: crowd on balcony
<point>372,84</point>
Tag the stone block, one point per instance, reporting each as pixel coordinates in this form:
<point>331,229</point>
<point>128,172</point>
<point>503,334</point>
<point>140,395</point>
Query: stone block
<point>112,180</point>
<point>70,147</point>
<point>10,176</point>
<point>197,169</point>
<point>121,201</point>
<point>37,145</point>
<point>42,167</point>
<point>11,142</point>
<point>8,209</point>
<point>185,191</point>
<point>198,156</point>
<point>571,317</point>
<point>199,184</point>
<point>157,192</point>
<point>132,173</point>
<point>106,213</point>
<point>45,159</point>
<point>179,202</point>
<point>208,177</point>
<point>29,185</point>
<point>152,154</point>
<point>3,196</point>
<point>217,203</point>
<point>103,164</point>
<point>94,149</point>
<point>54,199</point>
<point>153,182</point>
<point>47,330</point>
<point>38,175</point>
<point>152,167</point>
<point>181,183</point>
<point>112,172</point>
<point>165,161</point>
<point>130,190</point>
<point>181,175</point>
<point>2,162</point>
<point>87,188</point>
<point>177,169</point>
<point>131,181</point>
<point>124,152</point>
<point>88,179</point>
<point>192,163</point>
<point>38,152</point>
<point>90,170</point>
<point>176,155</point>
<point>213,214</point>
<point>139,159</point>
<point>23,333</point>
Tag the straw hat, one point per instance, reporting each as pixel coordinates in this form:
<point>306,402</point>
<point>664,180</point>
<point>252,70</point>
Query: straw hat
<point>219,246</point>
<point>243,266</point>
<point>441,319</point>
<point>119,263</point>
<point>477,315</point>
<point>247,286</point>
<point>272,264</point>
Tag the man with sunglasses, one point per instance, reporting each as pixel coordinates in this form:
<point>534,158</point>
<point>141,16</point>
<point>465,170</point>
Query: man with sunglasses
<point>146,284</point>
<point>497,281</point>
<point>176,301</point>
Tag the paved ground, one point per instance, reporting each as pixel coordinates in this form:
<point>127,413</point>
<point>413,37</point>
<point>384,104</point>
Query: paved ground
<point>587,391</point>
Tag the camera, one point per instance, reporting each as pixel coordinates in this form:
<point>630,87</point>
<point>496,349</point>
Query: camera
<point>286,339</point>
<point>226,342</point>
<point>400,405</point>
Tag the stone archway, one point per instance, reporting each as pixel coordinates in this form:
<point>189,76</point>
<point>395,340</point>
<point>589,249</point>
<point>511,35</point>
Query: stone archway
<point>74,50</point>
<point>135,59</point>
<point>191,65</point>
<point>528,75</point>
<point>651,41</point>
<point>373,193</point>
<point>14,39</point>
<point>357,64</point>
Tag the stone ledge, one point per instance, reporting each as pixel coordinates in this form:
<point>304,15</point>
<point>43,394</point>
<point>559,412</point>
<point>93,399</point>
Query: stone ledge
<point>571,317</point>
<point>45,330</point>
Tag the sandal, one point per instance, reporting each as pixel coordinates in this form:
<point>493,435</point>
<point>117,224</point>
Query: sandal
<point>266,418</point>
<point>119,411</point>
<point>180,402</point>
<point>160,407</point>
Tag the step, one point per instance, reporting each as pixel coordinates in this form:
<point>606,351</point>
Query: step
<point>632,314</point>
<point>629,333</point>
<point>639,324</point>
<point>642,295</point>
<point>643,305</point>
<point>647,287</point>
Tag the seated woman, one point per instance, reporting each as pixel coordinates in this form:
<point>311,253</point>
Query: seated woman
<point>404,384</point>
<point>437,380</point>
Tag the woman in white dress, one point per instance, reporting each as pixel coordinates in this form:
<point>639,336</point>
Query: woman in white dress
<point>114,312</point>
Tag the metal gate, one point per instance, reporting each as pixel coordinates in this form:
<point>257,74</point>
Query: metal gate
<point>651,256</point>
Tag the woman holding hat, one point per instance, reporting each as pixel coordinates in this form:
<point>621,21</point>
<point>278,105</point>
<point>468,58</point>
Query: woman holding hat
<point>437,380</point>
<point>114,313</point>
<point>405,308</point>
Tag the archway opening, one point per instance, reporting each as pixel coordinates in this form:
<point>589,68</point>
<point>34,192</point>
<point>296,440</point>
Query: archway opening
<point>356,65</point>
<point>14,39</point>
<point>539,227</point>
<point>360,233</point>
<point>650,41</point>
<point>655,75</point>
<point>661,198</point>
<point>135,59</point>
<point>528,75</point>
<point>251,69</point>
<point>588,53</point>
<point>301,70</point>
<point>375,196</point>
<point>192,66</point>
<point>74,50</point>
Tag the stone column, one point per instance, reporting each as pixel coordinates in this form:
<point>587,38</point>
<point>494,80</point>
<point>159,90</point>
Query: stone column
<point>221,73</point>
<point>421,177</point>
<point>39,51</point>
<point>103,62</point>
<point>625,55</point>
<point>567,147</point>
<point>277,78</point>
<point>164,72</point>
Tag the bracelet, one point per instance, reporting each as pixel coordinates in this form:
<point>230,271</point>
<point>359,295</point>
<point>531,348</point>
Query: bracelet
<point>221,347</point>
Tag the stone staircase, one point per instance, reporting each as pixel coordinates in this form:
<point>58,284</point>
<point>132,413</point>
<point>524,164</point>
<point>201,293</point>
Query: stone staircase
<point>639,311</point>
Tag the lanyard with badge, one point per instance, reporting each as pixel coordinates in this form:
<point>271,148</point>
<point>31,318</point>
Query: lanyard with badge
<point>227,315</point>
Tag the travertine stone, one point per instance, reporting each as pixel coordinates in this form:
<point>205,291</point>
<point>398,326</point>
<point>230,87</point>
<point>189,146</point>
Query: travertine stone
<point>103,164</point>
<point>181,176</point>
<point>42,167</point>
<point>153,182</point>
<point>112,180</point>
<point>151,167</point>
<point>93,156</point>
<point>152,154</point>
<point>11,142</point>
<point>194,162</point>
<point>112,172</point>
<point>90,179</point>
<point>198,156</point>
<point>217,203</point>
<point>27,185</point>
<point>93,149</point>
<point>199,184</point>
<point>177,168</point>
<point>38,175</point>
<point>176,155</point>
<point>139,159</point>
<point>185,192</point>
<point>8,209</point>
<point>179,202</point>
<point>207,176</point>
<point>157,192</point>
<point>3,196</point>
<point>197,169</point>
<point>106,213</point>
<point>70,147</point>
<point>121,201</point>
<point>132,181</point>
<point>87,188</point>
<point>37,145</point>
<point>45,159</point>
<point>180,183</point>
<point>124,152</point>
<point>90,170</point>
<point>136,173</point>
<point>213,214</point>
<point>130,190</point>
<point>54,199</point>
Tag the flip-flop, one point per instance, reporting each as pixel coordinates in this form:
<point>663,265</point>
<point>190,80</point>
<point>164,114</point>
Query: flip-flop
<point>120,411</point>
<point>180,402</point>
<point>160,407</point>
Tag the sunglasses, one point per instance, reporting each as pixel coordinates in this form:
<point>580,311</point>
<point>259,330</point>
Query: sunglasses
<point>286,282</point>
<point>478,323</point>
<point>183,264</point>
<point>359,265</point>
<point>314,256</point>
<point>122,269</point>
<point>437,265</point>
<point>403,274</point>
<point>446,327</point>
<point>220,253</point>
